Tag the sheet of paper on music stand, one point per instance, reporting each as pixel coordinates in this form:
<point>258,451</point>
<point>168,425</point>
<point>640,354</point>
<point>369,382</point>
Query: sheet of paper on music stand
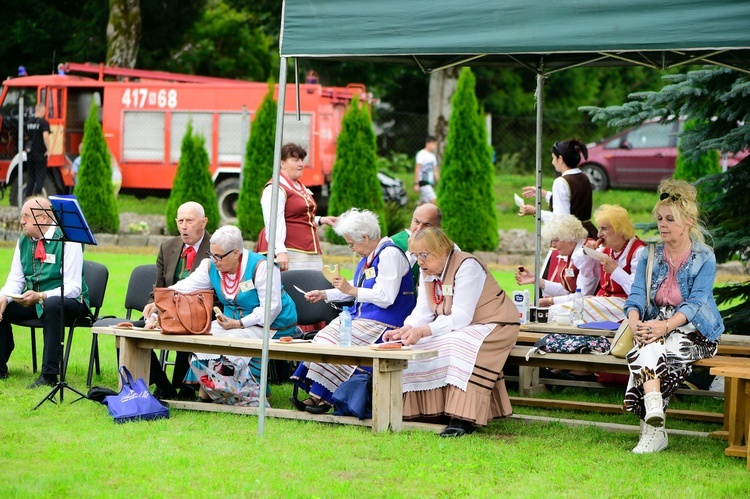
<point>71,219</point>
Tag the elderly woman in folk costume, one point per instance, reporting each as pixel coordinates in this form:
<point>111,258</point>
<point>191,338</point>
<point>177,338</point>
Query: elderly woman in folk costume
<point>297,245</point>
<point>618,254</point>
<point>566,266</point>
<point>675,322</point>
<point>239,277</point>
<point>463,314</point>
<point>383,294</point>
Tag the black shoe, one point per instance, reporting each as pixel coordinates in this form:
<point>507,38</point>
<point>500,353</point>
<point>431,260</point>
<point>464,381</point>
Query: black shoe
<point>165,393</point>
<point>457,428</point>
<point>300,405</point>
<point>44,380</point>
<point>4,375</point>
<point>186,394</point>
<point>320,408</point>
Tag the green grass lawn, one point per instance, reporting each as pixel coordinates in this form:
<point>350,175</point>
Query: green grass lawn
<point>75,450</point>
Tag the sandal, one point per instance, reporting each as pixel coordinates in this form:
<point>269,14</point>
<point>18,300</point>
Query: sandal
<point>320,408</point>
<point>301,405</point>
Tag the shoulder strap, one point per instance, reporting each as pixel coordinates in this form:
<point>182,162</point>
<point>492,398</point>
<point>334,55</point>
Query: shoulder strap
<point>649,271</point>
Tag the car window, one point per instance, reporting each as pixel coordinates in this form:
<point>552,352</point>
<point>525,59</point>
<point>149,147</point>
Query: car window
<point>650,135</point>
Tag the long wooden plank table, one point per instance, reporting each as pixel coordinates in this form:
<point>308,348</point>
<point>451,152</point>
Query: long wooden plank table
<point>388,366</point>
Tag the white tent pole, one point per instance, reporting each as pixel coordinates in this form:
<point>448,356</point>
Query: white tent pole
<point>538,216</point>
<point>271,236</point>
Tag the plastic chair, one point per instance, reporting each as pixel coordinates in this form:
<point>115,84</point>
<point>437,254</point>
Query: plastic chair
<point>140,284</point>
<point>96,276</point>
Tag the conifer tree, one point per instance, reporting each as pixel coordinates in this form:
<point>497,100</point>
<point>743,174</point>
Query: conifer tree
<point>258,167</point>
<point>94,188</point>
<point>354,182</point>
<point>465,191</point>
<point>193,182</point>
<point>717,99</point>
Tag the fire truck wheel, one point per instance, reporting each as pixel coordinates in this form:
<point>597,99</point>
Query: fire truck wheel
<point>228,192</point>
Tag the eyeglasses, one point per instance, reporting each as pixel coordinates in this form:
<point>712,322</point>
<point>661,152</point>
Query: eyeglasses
<point>420,256</point>
<point>218,258</point>
<point>673,197</point>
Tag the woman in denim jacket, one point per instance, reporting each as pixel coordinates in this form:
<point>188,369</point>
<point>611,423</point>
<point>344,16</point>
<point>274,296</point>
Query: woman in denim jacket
<point>678,322</point>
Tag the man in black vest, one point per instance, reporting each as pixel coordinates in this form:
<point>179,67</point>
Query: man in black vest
<point>32,289</point>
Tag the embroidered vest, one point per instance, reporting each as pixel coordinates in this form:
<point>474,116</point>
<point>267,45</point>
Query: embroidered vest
<point>245,302</point>
<point>402,306</point>
<point>299,215</point>
<point>607,286</point>
<point>493,307</point>
<point>44,276</point>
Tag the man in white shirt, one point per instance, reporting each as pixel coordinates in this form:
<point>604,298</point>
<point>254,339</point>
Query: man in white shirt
<point>32,289</point>
<point>426,172</point>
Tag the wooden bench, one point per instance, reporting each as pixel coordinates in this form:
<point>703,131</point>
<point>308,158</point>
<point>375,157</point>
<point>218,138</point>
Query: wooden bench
<point>736,409</point>
<point>388,366</point>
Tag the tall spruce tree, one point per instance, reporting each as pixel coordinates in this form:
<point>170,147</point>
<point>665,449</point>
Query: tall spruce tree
<point>192,182</point>
<point>354,182</point>
<point>94,188</point>
<point>717,98</point>
<point>465,191</point>
<point>258,167</point>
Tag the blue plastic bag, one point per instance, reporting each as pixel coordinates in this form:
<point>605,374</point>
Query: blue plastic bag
<point>134,402</point>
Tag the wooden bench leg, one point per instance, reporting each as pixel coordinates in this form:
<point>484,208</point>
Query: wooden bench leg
<point>387,397</point>
<point>746,424</point>
<point>528,382</point>
<point>137,360</point>
<point>734,411</point>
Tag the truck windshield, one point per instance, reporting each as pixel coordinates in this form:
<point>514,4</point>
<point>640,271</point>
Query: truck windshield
<point>9,107</point>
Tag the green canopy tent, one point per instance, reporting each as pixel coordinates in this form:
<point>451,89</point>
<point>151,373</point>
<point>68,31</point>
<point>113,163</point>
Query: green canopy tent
<point>544,36</point>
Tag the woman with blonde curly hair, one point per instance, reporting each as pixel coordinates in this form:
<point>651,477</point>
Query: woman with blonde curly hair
<point>676,321</point>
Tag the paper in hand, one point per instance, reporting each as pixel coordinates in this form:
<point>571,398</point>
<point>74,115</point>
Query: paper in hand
<point>595,254</point>
<point>518,200</point>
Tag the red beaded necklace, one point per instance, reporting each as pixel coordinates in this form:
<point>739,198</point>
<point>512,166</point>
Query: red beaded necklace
<point>437,299</point>
<point>230,283</point>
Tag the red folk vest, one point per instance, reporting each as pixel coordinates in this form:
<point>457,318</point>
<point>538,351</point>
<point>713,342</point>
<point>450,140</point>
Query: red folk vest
<point>299,214</point>
<point>608,287</point>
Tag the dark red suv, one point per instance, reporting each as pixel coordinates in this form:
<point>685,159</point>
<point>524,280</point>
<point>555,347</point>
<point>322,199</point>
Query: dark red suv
<point>638,157</point>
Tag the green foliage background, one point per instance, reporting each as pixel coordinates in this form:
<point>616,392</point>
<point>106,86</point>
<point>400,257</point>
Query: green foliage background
<point>94,188</point>
<point>354,182</point>
<point>193,182</point>
<point>258,167</point>
<point>465,191</point>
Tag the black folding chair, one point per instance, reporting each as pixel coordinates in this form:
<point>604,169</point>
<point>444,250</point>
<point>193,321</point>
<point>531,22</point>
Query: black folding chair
<point>96,276</point>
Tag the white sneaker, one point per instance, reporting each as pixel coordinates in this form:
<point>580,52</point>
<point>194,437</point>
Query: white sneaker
<point>653,439</point>
<point>654,405</point>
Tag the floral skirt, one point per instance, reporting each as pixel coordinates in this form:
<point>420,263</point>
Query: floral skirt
<point>669,359</point>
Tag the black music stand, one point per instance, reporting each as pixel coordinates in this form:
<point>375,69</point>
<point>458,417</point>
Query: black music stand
<point>74,228</point>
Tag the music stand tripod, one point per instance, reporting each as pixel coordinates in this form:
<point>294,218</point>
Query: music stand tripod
<point>73,228</point>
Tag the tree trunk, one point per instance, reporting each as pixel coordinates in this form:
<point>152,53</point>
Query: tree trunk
<point>124,32</point>
<point>442,86</point>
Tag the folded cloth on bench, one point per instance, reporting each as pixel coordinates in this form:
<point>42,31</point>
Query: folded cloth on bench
<point>595,308</point>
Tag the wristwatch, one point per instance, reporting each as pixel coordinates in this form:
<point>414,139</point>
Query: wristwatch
<point>41,299</point>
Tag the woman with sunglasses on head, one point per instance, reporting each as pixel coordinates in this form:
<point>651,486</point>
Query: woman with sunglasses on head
<point>382,292</point>
<point>676,321</point>
<point>238,277</point>
<point>463,314</point>
<point>571,192</point>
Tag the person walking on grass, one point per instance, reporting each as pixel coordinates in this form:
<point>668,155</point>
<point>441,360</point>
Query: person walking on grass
<point>426,172</point>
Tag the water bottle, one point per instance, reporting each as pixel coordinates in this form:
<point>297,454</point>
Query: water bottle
<point>345,329</point>
<point>577,315</point>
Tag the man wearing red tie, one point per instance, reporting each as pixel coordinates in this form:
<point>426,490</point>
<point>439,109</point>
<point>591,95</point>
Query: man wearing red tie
<point>32,289</point>
<point>178,257</point>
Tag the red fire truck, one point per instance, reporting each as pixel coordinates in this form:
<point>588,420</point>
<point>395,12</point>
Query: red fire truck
<point>144,115</point>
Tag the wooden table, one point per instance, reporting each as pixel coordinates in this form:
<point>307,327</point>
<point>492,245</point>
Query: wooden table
<point>388,367</point>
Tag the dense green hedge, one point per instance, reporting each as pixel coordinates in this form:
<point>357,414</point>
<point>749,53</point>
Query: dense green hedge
<point>193,182</point>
